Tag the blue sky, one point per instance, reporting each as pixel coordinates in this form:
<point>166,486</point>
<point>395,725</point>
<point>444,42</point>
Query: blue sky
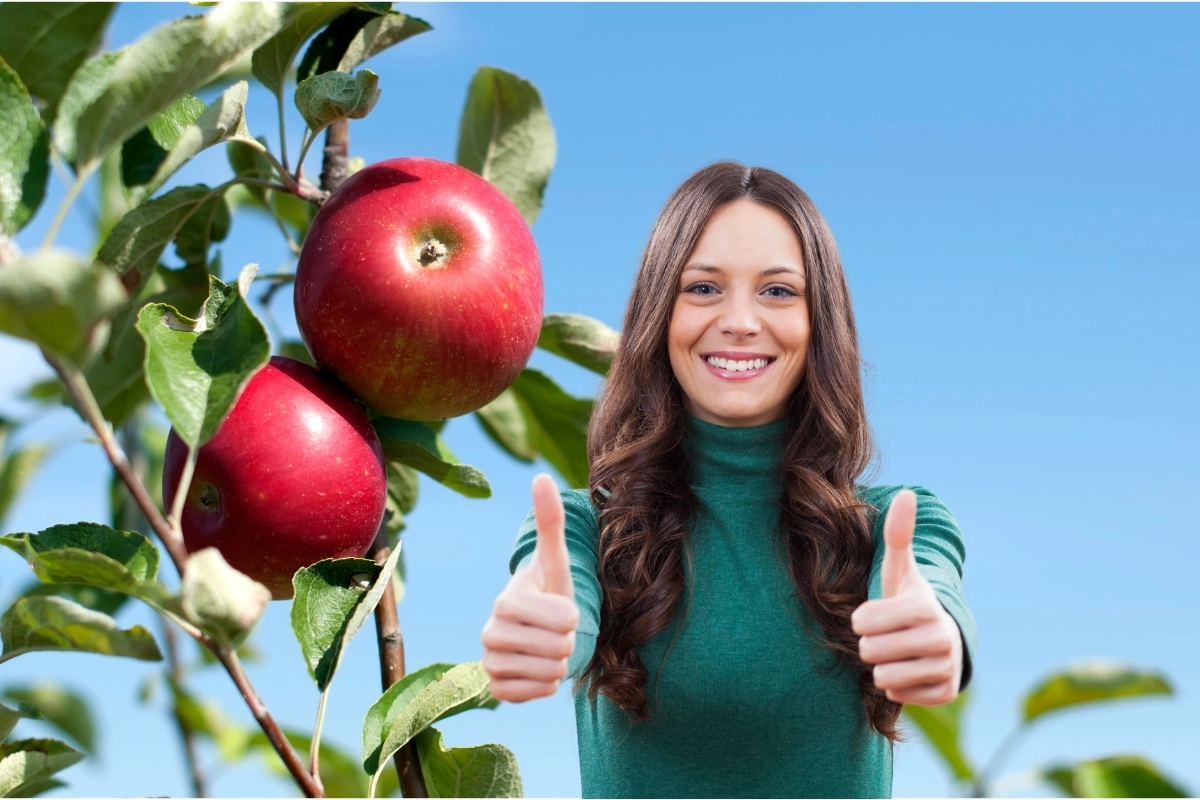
<point>1013,189</point>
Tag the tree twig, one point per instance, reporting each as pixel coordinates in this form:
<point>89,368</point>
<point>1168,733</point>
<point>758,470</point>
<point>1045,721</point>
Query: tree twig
<point>295,766</point>
<point>175,674</point>
<point>172,539</point>
<point>337,155</point>
<point>391,667</point>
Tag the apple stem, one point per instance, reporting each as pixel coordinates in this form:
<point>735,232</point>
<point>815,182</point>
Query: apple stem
<point>391,665</point>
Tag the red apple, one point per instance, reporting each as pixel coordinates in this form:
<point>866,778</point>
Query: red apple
<point>420,288</point>
<point>295,474</point>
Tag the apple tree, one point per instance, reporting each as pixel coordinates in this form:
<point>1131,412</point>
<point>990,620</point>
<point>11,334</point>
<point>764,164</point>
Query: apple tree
<point>132,339</point>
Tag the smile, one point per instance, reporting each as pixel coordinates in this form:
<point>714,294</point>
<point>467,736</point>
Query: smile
<point>738,374</point>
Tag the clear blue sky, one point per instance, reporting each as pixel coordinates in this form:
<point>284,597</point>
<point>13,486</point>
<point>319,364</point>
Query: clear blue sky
<point>1014,192</point>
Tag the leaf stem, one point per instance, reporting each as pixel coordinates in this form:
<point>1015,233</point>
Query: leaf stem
<point>295,766</point>
<point>64,207</point>
<point>175,675</point>
<point>391,667</point>
<point>311,194</point>
<point>983,782</point>
<point>314,752</point>
<point>79,392</point>
<point>181,490</point>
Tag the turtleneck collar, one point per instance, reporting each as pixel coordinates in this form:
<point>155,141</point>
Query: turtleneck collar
<point>721,456</point>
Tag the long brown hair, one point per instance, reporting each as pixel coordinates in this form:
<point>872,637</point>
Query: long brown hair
<point>638,469</point>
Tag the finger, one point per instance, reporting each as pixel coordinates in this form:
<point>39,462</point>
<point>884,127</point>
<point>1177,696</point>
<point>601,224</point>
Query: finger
<point>513,637</point>
<point>550,555</point>
<point>893,614</point>
<point>516,665</point>
<point>550,611</point>
<point>923,640</point>
<point>516,690</point>
<point>915,672</point>
<point>931,695</point>
<point>898,559</point>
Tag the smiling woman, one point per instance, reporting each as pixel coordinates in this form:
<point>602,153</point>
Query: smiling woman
<point>742,618</point>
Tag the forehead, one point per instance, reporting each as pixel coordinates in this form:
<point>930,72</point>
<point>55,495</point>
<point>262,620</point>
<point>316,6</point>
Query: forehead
<point>744,236</point>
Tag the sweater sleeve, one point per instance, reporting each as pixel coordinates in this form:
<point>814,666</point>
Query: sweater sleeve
<point>583,536</point>
<point>940,552</point>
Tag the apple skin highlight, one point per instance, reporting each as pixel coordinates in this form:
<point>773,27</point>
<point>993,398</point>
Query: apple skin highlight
<point>420,287</point>
<point>295,474</point>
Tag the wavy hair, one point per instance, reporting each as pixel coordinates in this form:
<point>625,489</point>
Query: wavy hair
<point>638,466</point>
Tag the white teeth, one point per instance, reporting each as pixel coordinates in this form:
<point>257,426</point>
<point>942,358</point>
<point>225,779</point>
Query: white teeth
<point>737,366</point>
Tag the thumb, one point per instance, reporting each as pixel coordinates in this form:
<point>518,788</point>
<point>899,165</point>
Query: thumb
<point>550,556</point>
<point>899,563</point>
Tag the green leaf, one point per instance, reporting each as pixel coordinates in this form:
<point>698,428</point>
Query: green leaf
<point>461,688</point>
<point>37,788</point>
<point>106,601</point>
<point>414,444</point>
<point>327,49</point>
<point>31,761</point>
<point>587,342</point>
<point>506,136</point>
<point>9,717</point>
<point>332,600</point>
<point>1114,776</point>
<point>487,770</point>
<point>24,153</point>
<point>210,223</point>
<point>297,213</point>
<point>62,708</point>
<point>174,59</point>
<point>139,239</point>
<point>86,86</point>
<point>1089,682</point>
<point>330,96</point>
<point>196,369</point>
<point>296,349</point>
<point>142,153</point>
<point>118,379</point>
<point>273,59</point>
<point>86,552</point>
<point>219,600</point>
<point>52,623</point>
<point>504,421</point>
<point>225,118</point>
<point>402,485</point>
<point>942,728</point>
<point>378,35</point>
<point>383,712</point>
<point>556,423</point>
<point>59,303</point>
<point>16,468</point>
<point>248,162</point>
<point>47,42</point>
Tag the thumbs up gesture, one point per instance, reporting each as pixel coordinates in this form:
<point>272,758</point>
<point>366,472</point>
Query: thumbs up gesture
<point>531,631</point>
<point>911,639</point>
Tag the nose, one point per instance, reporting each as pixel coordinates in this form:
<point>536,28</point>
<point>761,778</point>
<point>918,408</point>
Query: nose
<point>740,318</point>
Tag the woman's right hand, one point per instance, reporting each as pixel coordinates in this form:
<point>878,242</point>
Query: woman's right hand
<point>531,632</point>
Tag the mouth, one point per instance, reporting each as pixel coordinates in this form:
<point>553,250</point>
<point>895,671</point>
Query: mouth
<point>737,369</point>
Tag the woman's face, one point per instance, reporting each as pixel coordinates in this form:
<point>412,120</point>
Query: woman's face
<point>741,298</point>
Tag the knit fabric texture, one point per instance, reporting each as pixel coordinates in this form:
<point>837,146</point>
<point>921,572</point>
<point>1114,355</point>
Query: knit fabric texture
<point>743,701</point>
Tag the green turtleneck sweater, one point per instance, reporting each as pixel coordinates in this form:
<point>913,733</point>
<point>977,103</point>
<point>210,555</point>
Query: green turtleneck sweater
<point>747,704</point>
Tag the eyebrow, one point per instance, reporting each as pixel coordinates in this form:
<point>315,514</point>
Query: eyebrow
<point>719,271</point>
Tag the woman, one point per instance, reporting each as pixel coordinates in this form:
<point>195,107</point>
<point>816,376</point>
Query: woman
<point>741,618</point>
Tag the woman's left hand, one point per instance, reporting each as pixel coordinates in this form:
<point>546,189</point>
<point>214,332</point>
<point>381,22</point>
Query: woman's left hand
<point>911,639</point>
